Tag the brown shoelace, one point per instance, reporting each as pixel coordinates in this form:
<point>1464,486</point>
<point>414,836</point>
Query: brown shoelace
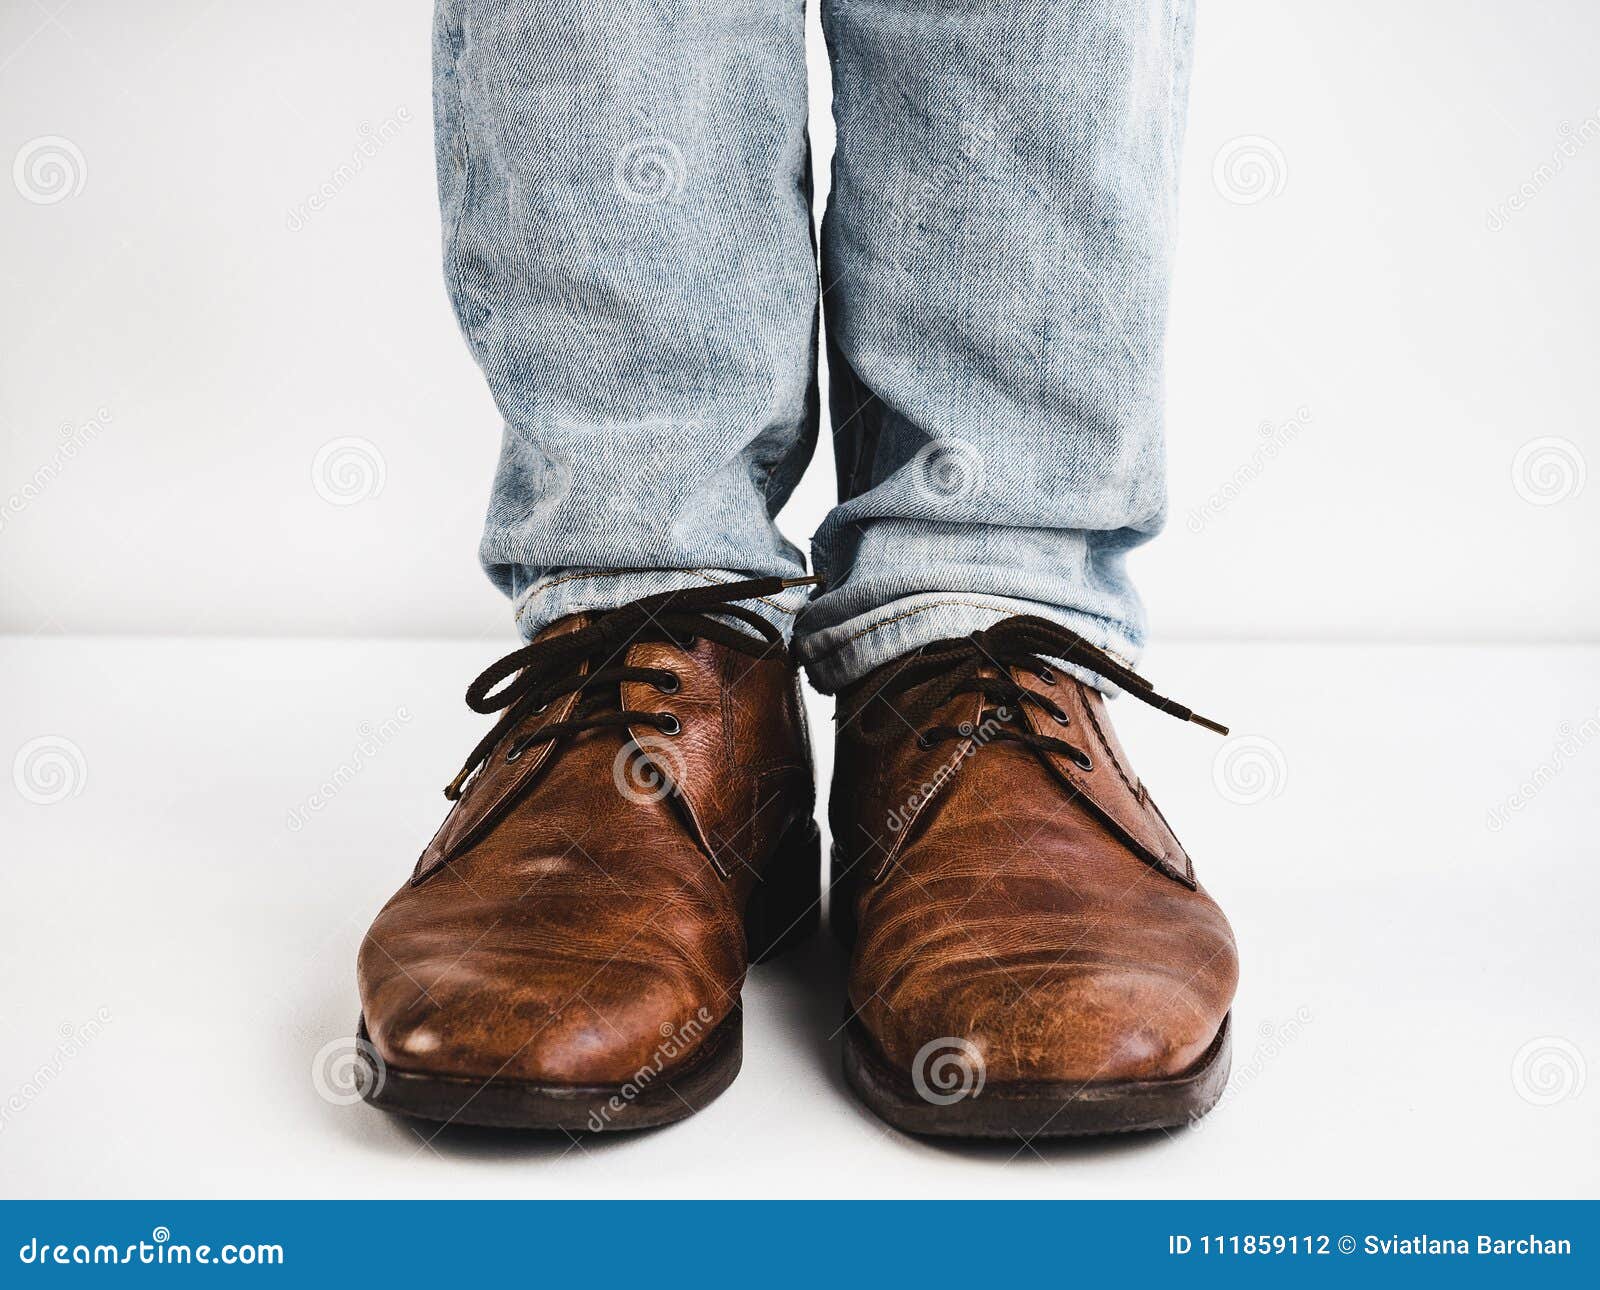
<point>981,663</point>
<point>546,670</point>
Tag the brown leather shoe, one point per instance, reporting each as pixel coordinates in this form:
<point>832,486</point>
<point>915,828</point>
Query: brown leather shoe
<point>637,827</point>
<point>1032,953</point>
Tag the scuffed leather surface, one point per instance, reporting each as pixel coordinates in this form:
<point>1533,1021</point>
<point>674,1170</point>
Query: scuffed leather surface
<point>570,935</point>
<point>1024,910</point>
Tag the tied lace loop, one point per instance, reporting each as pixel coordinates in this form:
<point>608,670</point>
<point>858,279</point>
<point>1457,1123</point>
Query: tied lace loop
<point>982,662</point>
<point>526,681</point>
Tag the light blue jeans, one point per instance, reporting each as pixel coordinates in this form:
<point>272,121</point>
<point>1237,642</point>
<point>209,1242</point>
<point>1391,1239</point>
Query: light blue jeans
<point>629,247</point>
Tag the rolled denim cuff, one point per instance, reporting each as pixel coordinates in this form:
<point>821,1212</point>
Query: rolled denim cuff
<point>835,657</point>
<point>574,591</point>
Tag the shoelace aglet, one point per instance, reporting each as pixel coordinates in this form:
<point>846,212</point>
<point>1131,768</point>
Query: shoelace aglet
<point>811,580</point>
<point>1213,726</point>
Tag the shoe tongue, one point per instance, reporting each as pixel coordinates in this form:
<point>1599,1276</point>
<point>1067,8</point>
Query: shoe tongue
<point>564,626</point>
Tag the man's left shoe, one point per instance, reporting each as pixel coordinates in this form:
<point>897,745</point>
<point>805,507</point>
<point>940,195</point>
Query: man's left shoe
<point>1033,955</point>
<point>635,830</point>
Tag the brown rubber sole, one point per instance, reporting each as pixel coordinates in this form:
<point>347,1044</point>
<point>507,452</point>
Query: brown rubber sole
<point>1043,1109</point>
<point>782,911</point>
<point>652,1098</point>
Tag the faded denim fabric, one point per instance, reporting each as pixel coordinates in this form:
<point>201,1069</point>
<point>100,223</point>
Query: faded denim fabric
<point>628,245</point>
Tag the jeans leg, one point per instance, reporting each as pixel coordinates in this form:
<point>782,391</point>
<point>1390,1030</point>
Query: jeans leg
<point>995,265</point>
<point>628,246</point>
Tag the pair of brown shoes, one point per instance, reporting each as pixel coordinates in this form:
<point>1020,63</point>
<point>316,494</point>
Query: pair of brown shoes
<point>1031,952</point>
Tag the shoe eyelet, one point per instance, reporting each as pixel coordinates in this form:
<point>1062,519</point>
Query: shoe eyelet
<point>1083,761</point>
<point>541,710</point>
<point>668,724</point>
<point>1047,675</point>
<point>515,751</point>
<point>924,743</point>
<point>688,642</point>
<point>670,685</point>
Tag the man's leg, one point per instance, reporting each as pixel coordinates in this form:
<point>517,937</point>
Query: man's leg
<point>1032,953</point>
<point>996,257</point>
<point>628,247</point>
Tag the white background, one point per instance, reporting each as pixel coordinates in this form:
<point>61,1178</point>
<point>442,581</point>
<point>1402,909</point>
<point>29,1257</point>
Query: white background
<point>213,343</point>
<point>228,347</point>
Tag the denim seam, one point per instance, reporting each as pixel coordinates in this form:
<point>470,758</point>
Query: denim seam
<point>539,588</point>
<point>937,604</point>
<point>465,136</point>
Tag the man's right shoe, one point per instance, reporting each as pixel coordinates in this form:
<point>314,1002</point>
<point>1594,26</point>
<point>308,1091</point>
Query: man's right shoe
<point>1033,955</point>
<point>570,948</point>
